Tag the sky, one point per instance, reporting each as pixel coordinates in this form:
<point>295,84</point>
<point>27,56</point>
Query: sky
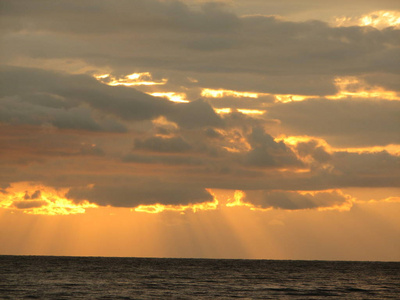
<point>252,129</point>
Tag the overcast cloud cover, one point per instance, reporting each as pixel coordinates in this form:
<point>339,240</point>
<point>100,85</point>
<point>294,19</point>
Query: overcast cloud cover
<point>120,146</point>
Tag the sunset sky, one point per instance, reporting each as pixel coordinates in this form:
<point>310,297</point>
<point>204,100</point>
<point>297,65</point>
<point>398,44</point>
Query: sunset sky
<point>233,129</point>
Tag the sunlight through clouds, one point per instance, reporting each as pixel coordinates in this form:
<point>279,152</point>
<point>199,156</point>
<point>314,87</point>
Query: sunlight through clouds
<point>226,93</point>
<point>378,19</point>
<point>40,200</point>
<point>134,79</point>
<point>174,97</point>
<point>352,86</point>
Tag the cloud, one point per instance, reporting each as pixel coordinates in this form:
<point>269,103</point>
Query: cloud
<point>266,152</point>
<point>115,104</point>
<point>141,193</point>
<point>217,47</point>
<point>29,204</point>
<point>363,169</point>
<point>294,200</point>
<point>87,17</point>
<point>344,123</point>
<point>312,149</point>
<point>72,131</point>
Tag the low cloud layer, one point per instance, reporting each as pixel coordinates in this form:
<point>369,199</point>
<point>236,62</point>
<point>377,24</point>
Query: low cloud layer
<point>294,200</point>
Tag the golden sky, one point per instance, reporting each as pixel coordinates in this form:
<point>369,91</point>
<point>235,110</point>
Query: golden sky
<point>229,129</point>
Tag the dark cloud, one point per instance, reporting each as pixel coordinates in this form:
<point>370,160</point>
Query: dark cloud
<point>29,204</point>
<point>295,200</point>
<point>260,53</point>
<point>368,165</point>
<point>212,133</point>
<point>195,114</point>
<point>119,102</point>
<point>387,81</point>
<point>266,152</point>
<point>101,17</point>
<point>141,193</point>
<point>312,149</point>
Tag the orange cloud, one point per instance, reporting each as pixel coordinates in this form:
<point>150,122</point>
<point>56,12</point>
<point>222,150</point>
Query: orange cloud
<point>38,199</point>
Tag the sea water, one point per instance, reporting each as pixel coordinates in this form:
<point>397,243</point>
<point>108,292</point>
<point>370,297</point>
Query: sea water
<point>51,277</point>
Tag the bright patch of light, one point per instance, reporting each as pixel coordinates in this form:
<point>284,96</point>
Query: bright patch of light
<point>237,200</point>
<point>223,110</point>
<point>353,87</point>
<point>40,200</point>
<point>381,19</point>
<point>174,97</point>
<point>159,208</point>
<point>210,93</point>
<point>391,149</point>
<point>251,111</point>
<point>294,140</point>
<point>227,110</point>
<point>290,98</point>
<point>378,19</point>
<point>134,79</point>
<point>102,76</point>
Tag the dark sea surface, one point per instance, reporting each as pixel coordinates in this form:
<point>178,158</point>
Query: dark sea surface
<point>51,277</point>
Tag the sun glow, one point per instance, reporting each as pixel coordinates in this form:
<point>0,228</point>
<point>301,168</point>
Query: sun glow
<point>295,139</point>
<point>251,111</point>
<point>381,19</point>
<point>210,93</point>
<point>158,208</point>
<point>351,86</point>
<point>38,199</point>
<point>290,98</point>
<point>227,110</point>
<point>171,96</point>
<point>237,200</point>
<point>134,79</point>
<point>392,149</point>
<point>378,19</point>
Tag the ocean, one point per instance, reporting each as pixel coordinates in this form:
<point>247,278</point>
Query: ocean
<point>51,277</point>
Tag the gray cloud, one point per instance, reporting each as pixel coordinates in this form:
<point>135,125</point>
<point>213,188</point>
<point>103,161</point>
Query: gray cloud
<point>29,204</point>
<point>141,193</point>
<point>312,149</point>
<point>76,91</point>
<point>266,152</point>
<point>294,200</point>
<point>250,53</point>
<point>372,165</point>
<point>90,17</point>
<point>354,123</point>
